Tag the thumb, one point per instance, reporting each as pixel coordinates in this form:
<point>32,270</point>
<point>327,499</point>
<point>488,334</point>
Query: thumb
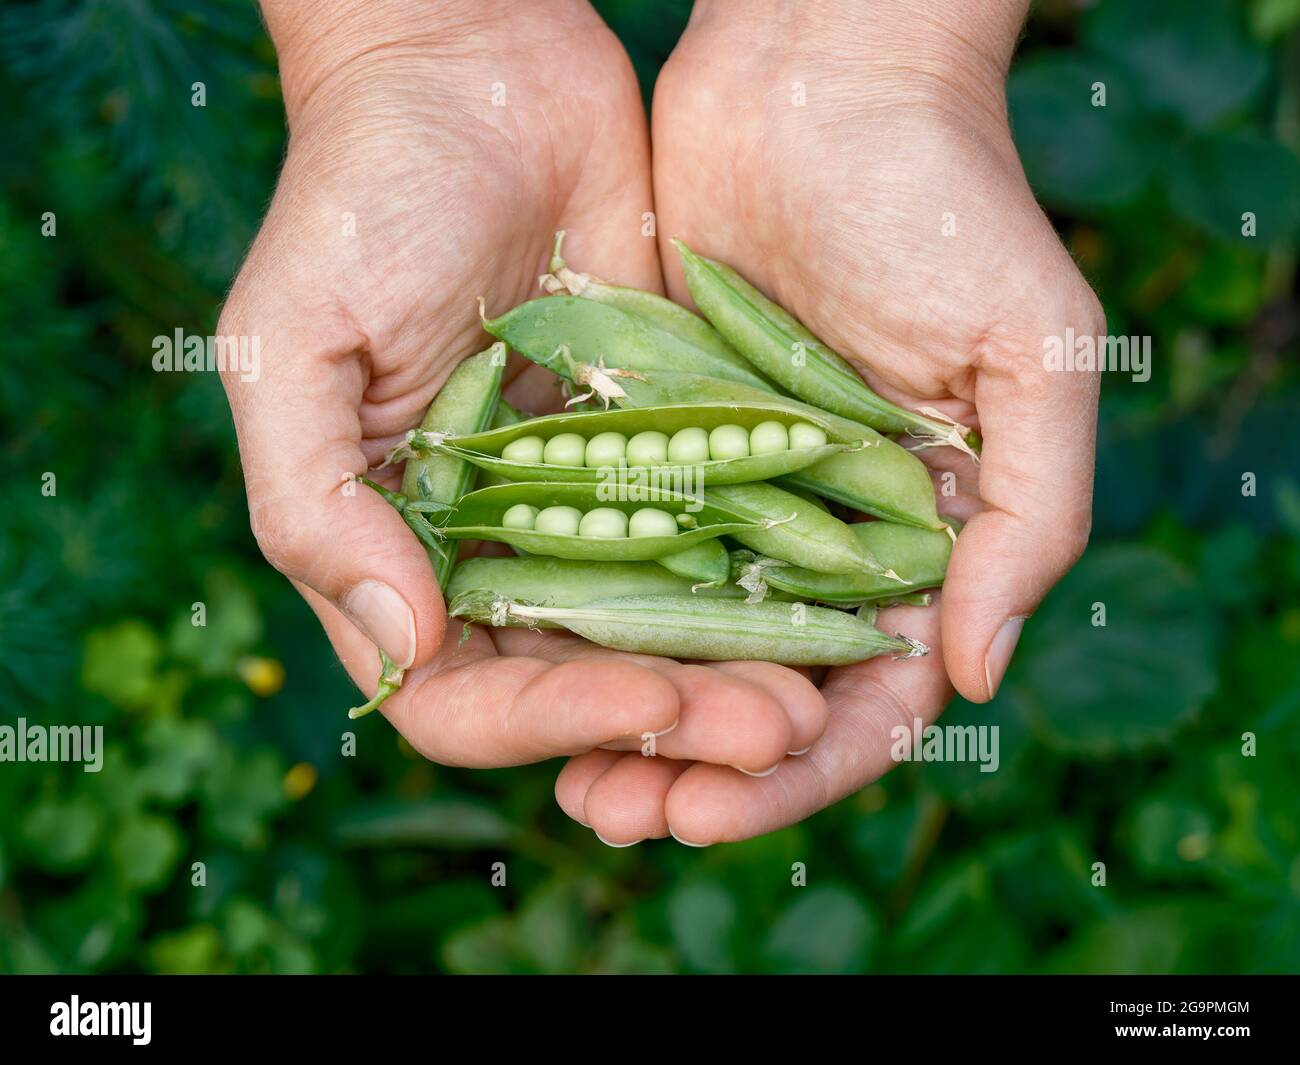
<point>301,445</point>
<point>1036,483</point>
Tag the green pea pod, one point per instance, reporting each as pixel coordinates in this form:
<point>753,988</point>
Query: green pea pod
<point>466,403</point>
<point>707,563</point>
<point>484,449</point>
<point>884,480</point>
<point>478,516</point>
<point>782,348</point>
<point>555,330</point>
<point>683,626</point>
<point>567,582</point>
<point>786,527</point>
<point>662,313</point>
<point>506,415</point>
<point>919,556</point>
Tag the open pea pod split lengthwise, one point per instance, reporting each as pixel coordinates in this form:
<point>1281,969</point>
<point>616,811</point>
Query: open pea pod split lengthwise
<point>479,516</point>
<point>484,449</point>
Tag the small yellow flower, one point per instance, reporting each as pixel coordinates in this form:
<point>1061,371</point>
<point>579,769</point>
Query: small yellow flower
<point>299,781</point>
<point>264,676</point>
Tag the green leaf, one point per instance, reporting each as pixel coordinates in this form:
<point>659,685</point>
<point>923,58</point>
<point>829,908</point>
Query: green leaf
<point>1169,836</point>
<point>191,951</point>
<point>232,626</point>
<point>825,930</point>
<point>1216,179</point>
<point>423,822</point>
<point>1075,154</point>
<point>702,917</point>
<point>487,947</point>
<point>62,834</point>
<point>121,663</point>
<point>240,794</point>
<point>144,850</point>
<point>1095,690</point>
<point>1194,62</point>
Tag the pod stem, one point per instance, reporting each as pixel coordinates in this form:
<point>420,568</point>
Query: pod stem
<point>948,432</point>
<point>390,680</point>
<point>915,648</point>
<point>751,578</point>
<point>413,513</point>
<point>561,278</point>
<point>599,381</point>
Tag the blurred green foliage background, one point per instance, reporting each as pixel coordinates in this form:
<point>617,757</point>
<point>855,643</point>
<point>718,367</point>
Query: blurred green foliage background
<point>1120,744</point>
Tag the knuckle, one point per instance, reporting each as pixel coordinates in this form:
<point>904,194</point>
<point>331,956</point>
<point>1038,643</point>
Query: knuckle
<point>278,534</point>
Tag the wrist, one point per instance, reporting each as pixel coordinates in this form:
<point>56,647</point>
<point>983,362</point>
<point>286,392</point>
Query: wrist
<point>944,51</point>
<point>316,39</point>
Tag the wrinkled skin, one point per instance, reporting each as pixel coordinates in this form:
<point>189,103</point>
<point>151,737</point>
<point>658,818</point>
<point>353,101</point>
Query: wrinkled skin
<point>406,194</point>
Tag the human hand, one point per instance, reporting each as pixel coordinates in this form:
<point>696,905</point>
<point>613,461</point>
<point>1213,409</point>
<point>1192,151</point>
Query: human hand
<point>855,163</point>
<point>406,194</point>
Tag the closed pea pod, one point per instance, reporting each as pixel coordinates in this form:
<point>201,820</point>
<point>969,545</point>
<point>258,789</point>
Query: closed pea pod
<point>659,312</point>
<point>789,528</point>
<point>706,563</point>
<point>919,556</point>
<point>567,582</point>
<point>681,435</point>
<point>680,626</point>
<point>556,330</point>
<point>782,348</point>
<point>466,403</point>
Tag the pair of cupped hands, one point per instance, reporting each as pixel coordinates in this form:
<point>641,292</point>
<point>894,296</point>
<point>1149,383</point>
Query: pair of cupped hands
<point>858,170</point>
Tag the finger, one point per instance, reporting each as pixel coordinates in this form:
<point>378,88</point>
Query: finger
<point>710,804</point>
<point>1036,483</point>
<point>625,804</point>
<point>804,705</point>
<point>472,707</point>
<point>577,776</point>
<point>740,714</point>
<point>300,444</point>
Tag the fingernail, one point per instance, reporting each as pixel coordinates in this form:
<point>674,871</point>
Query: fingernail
<point>618,846</point>
<point>1000,651</point>
<point>796,754</point>
<point>685,842</point>
<point>382,614</point>
<point>761,773</point>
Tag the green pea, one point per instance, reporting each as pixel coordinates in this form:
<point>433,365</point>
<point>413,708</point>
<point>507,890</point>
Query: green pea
<point>768,438</point>
<point>525,449</point>
<point>728,442</point>
<point>520,516</point>
<point>566,449</point>
<point>649,521</point>
<point>606,449</point>
<point>689,445</point>
<point>603,523</point>
<point>805,434</point>
<point>649,448</point>
<point>558,521</point>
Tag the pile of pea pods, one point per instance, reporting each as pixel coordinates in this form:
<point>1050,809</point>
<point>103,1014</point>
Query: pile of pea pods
<point>702,495</point>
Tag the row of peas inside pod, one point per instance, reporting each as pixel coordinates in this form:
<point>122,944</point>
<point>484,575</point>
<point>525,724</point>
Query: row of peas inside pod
<point>732,488</point>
